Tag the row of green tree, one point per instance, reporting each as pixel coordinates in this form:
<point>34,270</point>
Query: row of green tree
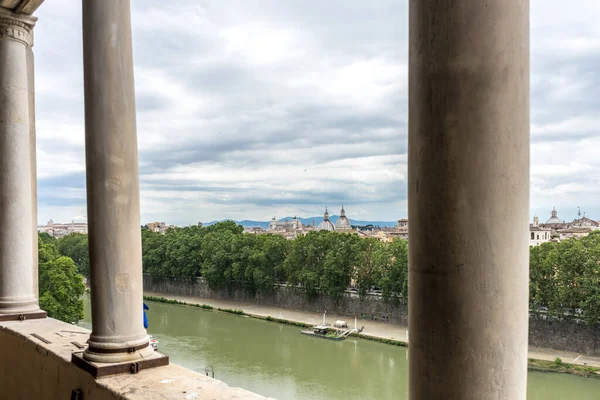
<point>226,258</point>
<point>318,262</point>
<point>565,278</point>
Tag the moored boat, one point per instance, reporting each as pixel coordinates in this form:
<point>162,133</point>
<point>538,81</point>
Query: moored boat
<point>332,333</point>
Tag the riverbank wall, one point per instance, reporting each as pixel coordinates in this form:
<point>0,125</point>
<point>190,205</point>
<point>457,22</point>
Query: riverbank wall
<point>565,335</point>
<point>558,335</point>
<point>371,307</point>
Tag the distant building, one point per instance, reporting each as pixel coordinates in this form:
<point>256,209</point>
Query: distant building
<point>295,223</point>
<point>554,222</point>
<point>254,231</point>
<point>560,230</point>
<point>326,224</point>
<point>160,227</point>
<point>402,228</point>
<point>573,232</point>
<point>60,230</point>
<point>387,235</point>
<point>585,222</point>
<point>537,234</point>
<point>343,223</point>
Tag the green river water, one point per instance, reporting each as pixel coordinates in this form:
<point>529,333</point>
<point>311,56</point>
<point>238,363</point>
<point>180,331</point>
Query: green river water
<point>276,360</point>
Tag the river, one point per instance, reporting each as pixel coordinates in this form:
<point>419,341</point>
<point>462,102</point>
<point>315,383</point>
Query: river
<point>276,360</point>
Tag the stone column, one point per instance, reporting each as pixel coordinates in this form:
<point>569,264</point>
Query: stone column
<point>16,186</point>
<point>468,199</point>
<point>33,155</point>
<point>113,196</point>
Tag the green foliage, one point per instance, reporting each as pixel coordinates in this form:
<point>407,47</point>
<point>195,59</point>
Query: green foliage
<point>394,278</point>
<point>558,362</point>
<point>46,238</point>
<point>251,262</point>
<point>324,262</point>
<point>75,246</point>
<point>203,306</point>
<point>343,255</point>
<point>381,340</point>
<point>60,285</point>
<point>565,278</point>
<point>287,322</point>
<point>319,262</point>
<point>543,264</point>
<point>372,262</point>
<point>559,366</point>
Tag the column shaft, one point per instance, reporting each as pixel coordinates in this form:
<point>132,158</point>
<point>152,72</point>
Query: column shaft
<point>33,154</point>
<point>112,184</point>
<point>16,211</point>
<point>468,199</point>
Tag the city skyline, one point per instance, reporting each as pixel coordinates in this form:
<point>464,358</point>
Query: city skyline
<point>568,216</point>
<point>246,112</point>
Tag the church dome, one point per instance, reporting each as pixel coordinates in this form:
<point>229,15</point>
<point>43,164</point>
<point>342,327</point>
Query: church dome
<point>343,222</point>
<point>554,219</point>
<point>326,225</point>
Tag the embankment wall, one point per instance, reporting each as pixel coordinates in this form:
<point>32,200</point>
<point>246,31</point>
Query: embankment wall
<point>285,297</point>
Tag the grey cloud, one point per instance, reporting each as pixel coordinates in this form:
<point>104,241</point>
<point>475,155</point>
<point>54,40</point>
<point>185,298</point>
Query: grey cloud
<point>220,109</point>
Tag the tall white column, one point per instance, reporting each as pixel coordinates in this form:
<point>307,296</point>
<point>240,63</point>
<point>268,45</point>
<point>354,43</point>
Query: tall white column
<point>33,155</point>
<point>468,199</point>
<point>16,186</point>
<point>113,196</point>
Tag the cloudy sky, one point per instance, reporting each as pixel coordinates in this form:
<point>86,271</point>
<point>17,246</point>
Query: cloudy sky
<point>248,109</point>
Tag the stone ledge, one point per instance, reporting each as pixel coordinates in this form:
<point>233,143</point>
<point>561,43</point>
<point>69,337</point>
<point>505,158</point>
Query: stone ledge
<point>39,367</point>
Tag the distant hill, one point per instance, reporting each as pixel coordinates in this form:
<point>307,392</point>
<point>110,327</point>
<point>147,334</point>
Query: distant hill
<point>308,221</point>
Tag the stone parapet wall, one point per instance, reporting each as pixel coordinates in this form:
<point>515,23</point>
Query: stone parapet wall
<point>350,304</point>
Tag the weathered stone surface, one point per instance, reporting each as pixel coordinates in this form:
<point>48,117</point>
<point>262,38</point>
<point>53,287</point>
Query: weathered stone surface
<point>284,297</point>
<point>21,6</point>
<point>113,193</point>
<point>565,335</point>
<point>468,199</point>
<point>17,255</point>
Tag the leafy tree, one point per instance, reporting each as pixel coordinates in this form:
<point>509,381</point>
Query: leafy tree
<point>342,257</point>
<point>394,278</point>
<point>565,277</point>
<point>306,262</point>
<point>369,269</point>
<point>225,226</point>
<point>543,290</point>
<point>75,246</point>
<point>46,238</point>
<point>276,249</point>
<point>590,279</point>
<point>217,256</point>
<point>60,286</point>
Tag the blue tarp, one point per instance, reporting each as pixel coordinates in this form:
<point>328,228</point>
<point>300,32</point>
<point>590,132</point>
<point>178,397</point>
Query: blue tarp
<point>145,317</point>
